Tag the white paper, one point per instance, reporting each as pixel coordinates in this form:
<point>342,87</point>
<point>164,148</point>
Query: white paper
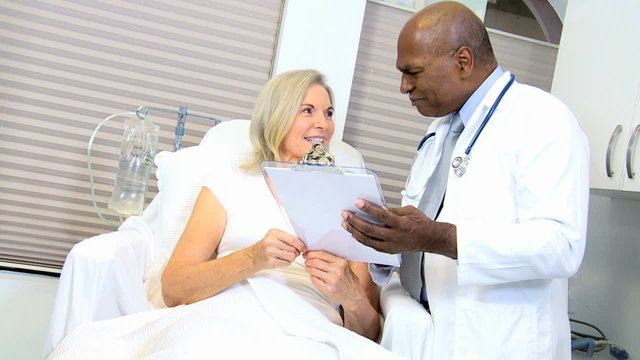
<point>313,200</point>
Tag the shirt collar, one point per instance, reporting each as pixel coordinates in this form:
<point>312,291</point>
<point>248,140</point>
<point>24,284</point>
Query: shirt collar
<point>474,100</point>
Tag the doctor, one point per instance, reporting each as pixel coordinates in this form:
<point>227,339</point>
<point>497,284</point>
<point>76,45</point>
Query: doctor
<point>495,251</point>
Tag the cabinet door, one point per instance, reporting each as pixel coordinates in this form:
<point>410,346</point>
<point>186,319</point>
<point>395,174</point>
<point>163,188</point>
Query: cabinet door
<point>631,176</point>
<point>597,76</point>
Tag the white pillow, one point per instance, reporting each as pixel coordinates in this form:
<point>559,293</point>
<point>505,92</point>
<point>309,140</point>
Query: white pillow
<point>345,154</point>
<point>228,132</point>
<point>181,175</point>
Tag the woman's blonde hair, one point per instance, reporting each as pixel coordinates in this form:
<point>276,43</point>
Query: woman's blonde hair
<point>276,108</point>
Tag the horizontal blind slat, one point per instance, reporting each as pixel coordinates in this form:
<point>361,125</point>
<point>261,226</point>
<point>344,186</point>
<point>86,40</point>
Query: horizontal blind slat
<point>65,65</point>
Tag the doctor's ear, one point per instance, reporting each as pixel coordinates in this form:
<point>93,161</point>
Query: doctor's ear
<point>463,58</point>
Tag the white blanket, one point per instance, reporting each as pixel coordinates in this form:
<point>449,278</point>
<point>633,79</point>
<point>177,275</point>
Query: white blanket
<point>258,318</point>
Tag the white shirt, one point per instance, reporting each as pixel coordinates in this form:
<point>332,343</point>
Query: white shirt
<point>520,211</point>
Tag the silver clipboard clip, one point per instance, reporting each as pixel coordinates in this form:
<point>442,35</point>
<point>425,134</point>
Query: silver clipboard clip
<point>318,156</point>
<point>318,159</point>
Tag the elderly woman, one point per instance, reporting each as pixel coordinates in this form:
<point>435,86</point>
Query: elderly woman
<point>247,286</point>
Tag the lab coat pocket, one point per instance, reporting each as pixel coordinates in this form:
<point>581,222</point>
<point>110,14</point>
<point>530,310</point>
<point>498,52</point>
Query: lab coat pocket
<point>494,331</point>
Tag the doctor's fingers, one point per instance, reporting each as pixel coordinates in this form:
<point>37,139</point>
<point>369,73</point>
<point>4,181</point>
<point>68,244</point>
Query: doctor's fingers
<point>413,222</point>
<point>384,215</point>
<point>407,211</point>
<point>368,240</point>
<point>376,231</point>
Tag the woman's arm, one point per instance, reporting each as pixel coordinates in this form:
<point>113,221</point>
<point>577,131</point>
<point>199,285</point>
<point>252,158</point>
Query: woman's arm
<point>349,284</point>
<point>191,275</point>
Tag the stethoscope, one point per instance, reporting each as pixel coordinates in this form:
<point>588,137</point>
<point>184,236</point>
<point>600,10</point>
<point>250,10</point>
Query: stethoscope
<point>460,163</point>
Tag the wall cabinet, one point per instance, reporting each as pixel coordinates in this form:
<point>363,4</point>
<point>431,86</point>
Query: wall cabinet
<point>598,76</point>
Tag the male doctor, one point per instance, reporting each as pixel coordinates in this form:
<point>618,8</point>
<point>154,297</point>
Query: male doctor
<point>493,253</point>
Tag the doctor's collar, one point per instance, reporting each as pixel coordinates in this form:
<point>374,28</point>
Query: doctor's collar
<point>474,100</point>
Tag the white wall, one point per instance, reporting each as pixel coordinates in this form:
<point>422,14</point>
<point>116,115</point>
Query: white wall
<point>478,6</point>
<point>26,302</point>
<point>560,6</point>
<point>606,289</point>
<point>322,35</point>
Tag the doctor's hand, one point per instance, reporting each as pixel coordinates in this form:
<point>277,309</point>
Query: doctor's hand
<point>407,230</point>
<point>333,276</point>
<point>277,249</point>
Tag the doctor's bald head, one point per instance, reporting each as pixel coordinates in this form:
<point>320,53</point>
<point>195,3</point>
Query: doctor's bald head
<point>444,54</point>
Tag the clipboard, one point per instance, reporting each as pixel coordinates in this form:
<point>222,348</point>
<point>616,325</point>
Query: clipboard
<point>312,197</point>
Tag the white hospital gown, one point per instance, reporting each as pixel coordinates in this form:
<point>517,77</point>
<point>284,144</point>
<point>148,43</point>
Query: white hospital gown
<point>273,314</point>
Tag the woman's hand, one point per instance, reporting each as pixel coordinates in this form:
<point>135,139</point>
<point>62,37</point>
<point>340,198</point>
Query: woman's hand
<point>276,249</point>
<point>333,276</point>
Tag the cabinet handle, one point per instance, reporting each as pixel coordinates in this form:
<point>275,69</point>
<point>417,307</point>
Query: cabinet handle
<point>612,140</point>
<point>630,150</point>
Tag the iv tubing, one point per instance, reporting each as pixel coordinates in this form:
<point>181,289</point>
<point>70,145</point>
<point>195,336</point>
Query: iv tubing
<point>93,195</point>
<point>141,113</point>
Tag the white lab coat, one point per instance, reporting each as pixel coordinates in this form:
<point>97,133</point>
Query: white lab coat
<point>521,217</point>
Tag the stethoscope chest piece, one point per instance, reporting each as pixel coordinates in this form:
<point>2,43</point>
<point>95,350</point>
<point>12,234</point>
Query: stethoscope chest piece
<point>456,162</point>
<point>459,165</point>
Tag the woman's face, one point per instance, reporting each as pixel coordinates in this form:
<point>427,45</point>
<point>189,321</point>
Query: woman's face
<point>313,123</point>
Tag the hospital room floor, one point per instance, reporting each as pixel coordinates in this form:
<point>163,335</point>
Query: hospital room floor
<point>603,355</point>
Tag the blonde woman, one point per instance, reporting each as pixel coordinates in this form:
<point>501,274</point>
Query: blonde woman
<point>248,286</point>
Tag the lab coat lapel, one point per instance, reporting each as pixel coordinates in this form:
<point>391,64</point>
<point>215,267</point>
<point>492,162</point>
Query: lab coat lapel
<point>471,127</point>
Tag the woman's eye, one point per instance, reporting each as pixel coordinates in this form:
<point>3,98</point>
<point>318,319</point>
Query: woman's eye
<point>306,110</point>
<point>329,114</point>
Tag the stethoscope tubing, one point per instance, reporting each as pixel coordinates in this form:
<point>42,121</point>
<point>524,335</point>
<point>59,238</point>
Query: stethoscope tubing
<point>476,135</point>
<point>489,114</point>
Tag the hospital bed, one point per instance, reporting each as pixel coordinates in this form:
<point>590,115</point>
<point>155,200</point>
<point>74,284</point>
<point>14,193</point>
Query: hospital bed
<point>118,273</point>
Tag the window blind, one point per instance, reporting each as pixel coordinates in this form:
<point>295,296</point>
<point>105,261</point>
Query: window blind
<point>66,65</point>
<point>382,124</point>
